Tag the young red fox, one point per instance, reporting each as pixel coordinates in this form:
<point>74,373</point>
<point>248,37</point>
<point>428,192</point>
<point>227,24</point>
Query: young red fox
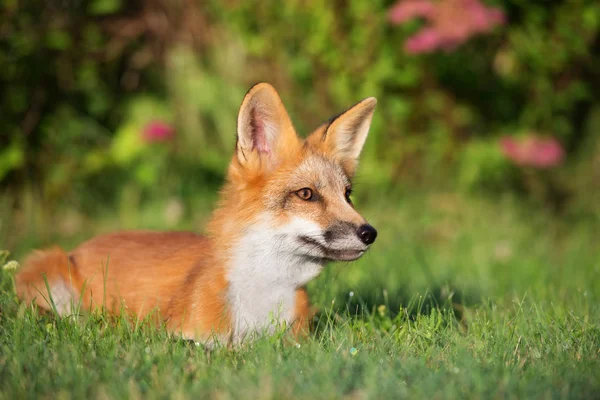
<point>284,211</point>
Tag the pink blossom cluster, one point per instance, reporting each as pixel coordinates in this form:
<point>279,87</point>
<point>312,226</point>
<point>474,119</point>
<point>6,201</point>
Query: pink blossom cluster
<point>450,22</point>
<point>158,131</point>
<point>533,151</point>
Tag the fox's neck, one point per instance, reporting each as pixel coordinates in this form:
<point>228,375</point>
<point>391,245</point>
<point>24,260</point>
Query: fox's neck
<point>264,274</point>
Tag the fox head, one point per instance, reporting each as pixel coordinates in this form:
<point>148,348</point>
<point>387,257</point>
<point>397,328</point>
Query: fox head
<point>290,195</point>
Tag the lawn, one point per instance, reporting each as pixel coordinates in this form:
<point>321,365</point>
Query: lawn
<point>458,298</point>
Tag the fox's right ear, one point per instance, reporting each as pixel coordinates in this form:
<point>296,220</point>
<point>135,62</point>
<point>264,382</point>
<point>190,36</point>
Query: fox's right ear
<point>264,129</point>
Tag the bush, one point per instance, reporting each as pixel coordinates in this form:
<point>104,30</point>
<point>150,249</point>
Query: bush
<point>74,75</point>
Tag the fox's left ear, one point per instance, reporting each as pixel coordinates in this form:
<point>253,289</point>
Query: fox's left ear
<point>345,136</point>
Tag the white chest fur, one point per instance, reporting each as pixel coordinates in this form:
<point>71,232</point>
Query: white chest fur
<point>265,272</point>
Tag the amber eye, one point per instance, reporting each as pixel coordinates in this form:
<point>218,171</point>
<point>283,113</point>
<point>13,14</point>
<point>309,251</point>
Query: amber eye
<point>305,194</point>
<point>348,194</point>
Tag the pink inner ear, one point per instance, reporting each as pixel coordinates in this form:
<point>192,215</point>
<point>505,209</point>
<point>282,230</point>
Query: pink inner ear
<point>259,133</point>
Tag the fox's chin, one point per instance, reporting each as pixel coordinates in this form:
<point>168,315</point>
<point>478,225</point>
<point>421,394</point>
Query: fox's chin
<point>343,255</point>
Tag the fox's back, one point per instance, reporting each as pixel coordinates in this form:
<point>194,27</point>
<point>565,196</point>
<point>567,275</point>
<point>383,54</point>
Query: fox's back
<point>140,270</point>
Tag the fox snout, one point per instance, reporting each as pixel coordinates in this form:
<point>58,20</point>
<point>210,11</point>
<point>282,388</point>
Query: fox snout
<point>367,234</point>
<point>343,241</point>
<point>341,231</point>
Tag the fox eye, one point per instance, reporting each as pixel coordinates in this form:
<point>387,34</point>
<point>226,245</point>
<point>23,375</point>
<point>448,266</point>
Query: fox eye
<point>347,195</point>
<point>305,194</point>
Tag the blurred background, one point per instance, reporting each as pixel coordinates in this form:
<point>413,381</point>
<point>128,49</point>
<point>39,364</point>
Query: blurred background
<point>118,114</point>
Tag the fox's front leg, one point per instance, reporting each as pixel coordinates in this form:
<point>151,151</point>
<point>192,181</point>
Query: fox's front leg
<point>303,314</point>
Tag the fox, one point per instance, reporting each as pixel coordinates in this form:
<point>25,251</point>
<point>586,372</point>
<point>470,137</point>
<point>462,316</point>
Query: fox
<point>284,211</point>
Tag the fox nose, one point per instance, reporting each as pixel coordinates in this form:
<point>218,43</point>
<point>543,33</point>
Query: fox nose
<point>367,233</point>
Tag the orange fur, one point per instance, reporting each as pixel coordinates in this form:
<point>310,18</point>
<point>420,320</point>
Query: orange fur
<point>50,265</point>
<point>303,312</point>
<point>185,278</point>
<point>136,271</point>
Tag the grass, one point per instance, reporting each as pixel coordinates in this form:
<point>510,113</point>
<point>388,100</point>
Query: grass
<point>459,298</point>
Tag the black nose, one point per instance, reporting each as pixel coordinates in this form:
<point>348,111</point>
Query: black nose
<point>367,234</point>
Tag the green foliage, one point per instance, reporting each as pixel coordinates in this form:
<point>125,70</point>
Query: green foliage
<point>483,167</point>
<point>71,81</point>
<point>11,157</point>
<point>103,7</point>
<point>552,53</point>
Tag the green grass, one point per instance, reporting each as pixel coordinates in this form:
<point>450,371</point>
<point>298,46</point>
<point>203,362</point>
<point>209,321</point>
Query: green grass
<point>458,298</point>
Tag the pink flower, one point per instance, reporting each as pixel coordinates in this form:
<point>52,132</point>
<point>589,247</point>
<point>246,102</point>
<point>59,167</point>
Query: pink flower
<point>533,151</point>
<point>450,22</point>
<point>424,42</point>
<point>158,131</point>
<point>408,9</point>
